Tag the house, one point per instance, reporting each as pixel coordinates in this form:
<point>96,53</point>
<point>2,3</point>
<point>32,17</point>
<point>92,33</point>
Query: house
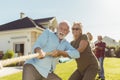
<point>110,42</point>
<point>20,35</point>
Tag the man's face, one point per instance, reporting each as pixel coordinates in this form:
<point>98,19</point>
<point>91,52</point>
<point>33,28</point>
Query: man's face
<point>62,30</point>
<point>100,38</point>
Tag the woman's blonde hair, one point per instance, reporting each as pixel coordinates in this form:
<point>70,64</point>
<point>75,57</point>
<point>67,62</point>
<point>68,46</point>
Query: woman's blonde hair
<point>89,36</point>
<point>78,24</point>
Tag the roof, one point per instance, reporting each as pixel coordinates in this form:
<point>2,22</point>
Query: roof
<point>43,20</point>
<point>20,24</point>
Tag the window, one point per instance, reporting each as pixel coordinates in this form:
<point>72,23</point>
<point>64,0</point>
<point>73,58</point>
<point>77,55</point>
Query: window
<point>19,48</point>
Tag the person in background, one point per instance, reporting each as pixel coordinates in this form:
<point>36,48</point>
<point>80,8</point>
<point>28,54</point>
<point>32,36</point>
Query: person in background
<point>87,65</point>
<point>42,67</point>
<point>90,38</point>
<point>100,52</point>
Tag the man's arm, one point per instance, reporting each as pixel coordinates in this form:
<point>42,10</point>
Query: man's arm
<point>68,52</point>
<point>40,43</point>
<point>57,53</point>
<point>41,40</point>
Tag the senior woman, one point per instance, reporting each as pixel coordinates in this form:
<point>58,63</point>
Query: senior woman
<point>87,64</point>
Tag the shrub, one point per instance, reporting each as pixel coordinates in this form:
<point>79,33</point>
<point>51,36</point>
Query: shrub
<point>110,51</point>
<point>1,55</point>
<point>117,52</point>
<point>9,54</point>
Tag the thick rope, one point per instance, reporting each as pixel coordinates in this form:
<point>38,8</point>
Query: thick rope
<point>19,59</point>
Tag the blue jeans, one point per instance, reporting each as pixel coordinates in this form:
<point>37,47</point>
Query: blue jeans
<point>101,72</point>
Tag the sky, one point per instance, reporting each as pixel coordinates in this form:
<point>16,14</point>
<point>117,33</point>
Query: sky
<point>100,17</point>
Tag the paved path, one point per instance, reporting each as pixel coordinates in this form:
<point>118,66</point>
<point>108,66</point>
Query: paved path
<point>9,70</point>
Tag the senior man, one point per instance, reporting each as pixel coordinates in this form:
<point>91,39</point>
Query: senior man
<point>42,67</point>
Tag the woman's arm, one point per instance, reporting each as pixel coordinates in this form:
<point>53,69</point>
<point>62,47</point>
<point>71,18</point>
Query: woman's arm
<point>82,45</point>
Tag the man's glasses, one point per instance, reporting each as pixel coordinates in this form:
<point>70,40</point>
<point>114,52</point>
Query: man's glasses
<point>76,29</point>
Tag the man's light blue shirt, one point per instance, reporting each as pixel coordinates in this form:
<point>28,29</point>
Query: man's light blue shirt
<point>48,41</point>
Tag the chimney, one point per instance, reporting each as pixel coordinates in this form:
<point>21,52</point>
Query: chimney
<point>22,15</point>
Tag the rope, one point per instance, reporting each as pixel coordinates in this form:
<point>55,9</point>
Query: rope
<point>19,59</point>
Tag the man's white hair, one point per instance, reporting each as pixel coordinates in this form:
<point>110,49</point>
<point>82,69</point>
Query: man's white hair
<point>66,22</point>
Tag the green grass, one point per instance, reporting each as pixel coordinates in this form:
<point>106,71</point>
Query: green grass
<point>112,68</point>
<point>17,76</point>
<point>64,70</point>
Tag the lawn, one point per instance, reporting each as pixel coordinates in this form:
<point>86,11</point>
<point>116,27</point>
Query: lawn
<point>64,70</point>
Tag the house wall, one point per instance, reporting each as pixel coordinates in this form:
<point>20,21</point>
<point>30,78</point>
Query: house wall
<point>34,36</point>
<point>4,43</point>
<point>21,38</point>
<point>8,40</point>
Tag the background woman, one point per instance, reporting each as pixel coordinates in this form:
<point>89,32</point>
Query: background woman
<point>91,43</point>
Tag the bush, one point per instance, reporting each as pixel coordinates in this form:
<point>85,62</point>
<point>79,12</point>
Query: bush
<point>9,54</point>
<point>110,51</point>
<point>1,55</point>
<point>117,52</point>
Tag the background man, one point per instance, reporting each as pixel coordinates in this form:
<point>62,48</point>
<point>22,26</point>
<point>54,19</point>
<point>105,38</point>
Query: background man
<point>99,52</point>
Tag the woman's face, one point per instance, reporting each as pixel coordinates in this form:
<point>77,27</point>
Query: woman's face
<point>76,30</point>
